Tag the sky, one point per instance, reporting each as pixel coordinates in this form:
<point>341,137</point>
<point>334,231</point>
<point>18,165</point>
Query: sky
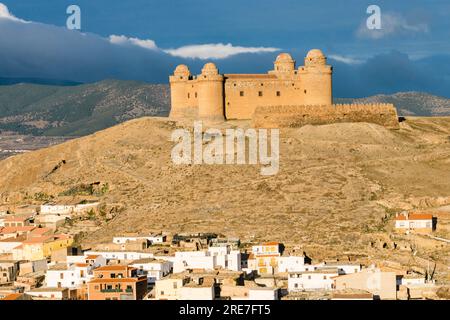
<point>145,40</point>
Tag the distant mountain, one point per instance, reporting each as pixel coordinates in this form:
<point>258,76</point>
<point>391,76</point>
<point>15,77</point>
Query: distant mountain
<point>409,103</point>
<point>78,110</point>
<point>51,82</point>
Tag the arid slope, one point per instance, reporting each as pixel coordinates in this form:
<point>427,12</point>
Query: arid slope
<point>336,190</point>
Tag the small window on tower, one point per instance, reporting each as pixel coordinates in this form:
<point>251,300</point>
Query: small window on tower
<point>196,94</point>
<point>241,93</point>
<point>304,91</point>
<point>260,93</point>
<point>189,95</point>
<point>278,93</point>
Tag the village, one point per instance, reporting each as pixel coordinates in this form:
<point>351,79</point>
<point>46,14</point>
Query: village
<point>37,262</point>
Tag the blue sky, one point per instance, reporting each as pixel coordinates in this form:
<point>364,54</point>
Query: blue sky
<point>411,52</point>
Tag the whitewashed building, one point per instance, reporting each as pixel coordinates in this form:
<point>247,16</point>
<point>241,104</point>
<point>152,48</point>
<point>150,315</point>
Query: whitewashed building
<point>263,293</point>
<point>312,280</point>
<point>291,264</point>
<point>417,222</point>
<point>154,269</point>
<point>64,276</point>
<point>120,255</point>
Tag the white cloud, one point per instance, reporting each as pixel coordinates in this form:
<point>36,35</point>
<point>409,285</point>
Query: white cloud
<point>215,51</point>
<point>345,59</point>
<point>392,24</point>
<point>5,14</point>
<point>123,40</point>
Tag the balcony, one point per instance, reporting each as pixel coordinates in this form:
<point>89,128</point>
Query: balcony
<point>111,290</point>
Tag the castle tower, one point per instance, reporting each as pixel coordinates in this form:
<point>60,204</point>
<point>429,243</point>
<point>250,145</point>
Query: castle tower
<point>210,93</point>
<point>284,64</point>
<point>316,79</point>
<point>178,82</point>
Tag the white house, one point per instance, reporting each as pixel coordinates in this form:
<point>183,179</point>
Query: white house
<point>46,293</point>
<point>7,245</point>
<point>418,222</point>
<point>153,239</point>
<point>67,209</point>
<point>93,260</point>
<point>263,293</point>
<point>291,264</point>
<point>343,268</point>
<point>194,291</point>
<point>152,268</point>
<point>312,280</point>
<point>57,209</point>
<point>120,255</point>
<point>73,276</point>
<point>226,258</point>
<point>193,260</point>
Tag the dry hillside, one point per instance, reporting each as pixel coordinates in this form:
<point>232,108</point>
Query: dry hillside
<point>337,189</point>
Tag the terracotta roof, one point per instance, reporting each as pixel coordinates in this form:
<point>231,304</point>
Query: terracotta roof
<point>12,296</point>
<point>35,240</point>
<point>17,229</point>
<point>81,265</point>
<point>40,230</point>
<point>92,257</point>
<point>271,243</point>
<point>14,239</point>
<point>114,267</point>
<point>115,280</point>
<point>415,216</point>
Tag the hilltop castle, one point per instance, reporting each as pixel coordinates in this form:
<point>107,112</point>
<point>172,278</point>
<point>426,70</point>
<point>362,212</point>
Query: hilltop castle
<point>285,96</point>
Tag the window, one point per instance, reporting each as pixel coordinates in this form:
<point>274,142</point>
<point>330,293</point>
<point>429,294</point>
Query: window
<point>260,94</point>
<point>241,93</point>
<point>304,91</point>
<point>196,94</point>
<point>61,275</point>
<point>278,93</point>
<point>309,277</point>
<point>162,292</point>
<point>175,285</point>
<point>324,277</point>
<point>189,95</point>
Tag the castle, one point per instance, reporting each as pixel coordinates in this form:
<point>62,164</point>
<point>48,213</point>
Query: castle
<point>285,96</point>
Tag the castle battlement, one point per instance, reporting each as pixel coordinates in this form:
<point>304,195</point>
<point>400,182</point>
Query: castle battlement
<point>306,90</point>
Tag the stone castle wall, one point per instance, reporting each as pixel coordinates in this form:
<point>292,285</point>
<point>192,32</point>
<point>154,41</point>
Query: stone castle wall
<point>299,115</point>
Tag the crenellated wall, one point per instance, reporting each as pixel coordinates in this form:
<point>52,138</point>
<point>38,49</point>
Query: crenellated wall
<point>288,116</point>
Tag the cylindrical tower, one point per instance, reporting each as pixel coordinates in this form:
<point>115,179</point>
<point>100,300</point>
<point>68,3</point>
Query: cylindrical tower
<point>316,79</point>
<point>178,83</point>
<point>210,93</point>
<point>284,63</point>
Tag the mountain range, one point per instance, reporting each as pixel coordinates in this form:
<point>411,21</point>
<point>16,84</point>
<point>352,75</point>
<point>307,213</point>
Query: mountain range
<point>62,108</point>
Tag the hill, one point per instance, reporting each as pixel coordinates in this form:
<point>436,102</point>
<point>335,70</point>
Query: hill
<point>337,189</point>
<point>78,110</point>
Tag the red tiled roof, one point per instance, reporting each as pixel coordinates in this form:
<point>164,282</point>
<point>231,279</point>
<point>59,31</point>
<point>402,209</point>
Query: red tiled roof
<point>415,216</point>
<point>271,244</point>
<point>114,268</point>
<point>12,296</point>
<point>17,229</point>
<point>92,257</point>
<point>115,280</point>
<point>40,230</point>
